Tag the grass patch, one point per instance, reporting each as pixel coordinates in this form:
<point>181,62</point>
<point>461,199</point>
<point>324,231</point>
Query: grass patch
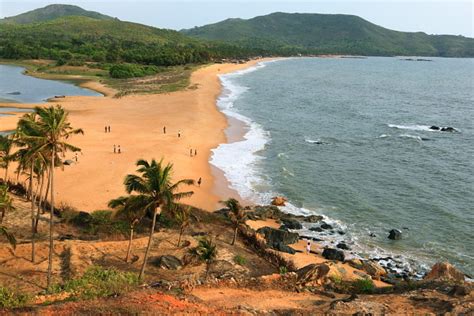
<point>99,282</point>
<point>240,260</point>
<point>12,299</point>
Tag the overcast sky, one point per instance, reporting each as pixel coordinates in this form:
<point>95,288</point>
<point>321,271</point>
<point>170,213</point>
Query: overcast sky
<point>430,16</point>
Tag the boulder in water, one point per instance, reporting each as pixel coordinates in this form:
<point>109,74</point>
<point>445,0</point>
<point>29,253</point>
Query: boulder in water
<point>444,271</point>
<point>448,129</point>
<point>333,254</point>
<point>395,234</point>
<point>326,226</point>
<point>342,245</point>
<point>279,201</point>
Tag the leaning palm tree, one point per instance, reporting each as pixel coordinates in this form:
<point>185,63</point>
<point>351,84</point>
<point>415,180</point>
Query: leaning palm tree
<point>129,208</point>
<point>49,131</point>
<point>154,191</point>
<point>6,145</point>
<point>10,237</point>
<point>236,214</point>
<point>206,250</point>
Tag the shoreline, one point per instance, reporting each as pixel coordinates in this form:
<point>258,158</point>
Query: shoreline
<point>136,122</point>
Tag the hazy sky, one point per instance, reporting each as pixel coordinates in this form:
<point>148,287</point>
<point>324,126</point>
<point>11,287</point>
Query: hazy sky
<point>430,16</point>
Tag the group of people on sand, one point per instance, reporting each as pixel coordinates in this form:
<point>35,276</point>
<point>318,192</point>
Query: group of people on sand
<point>191,152</point>
<point>107,128</point>
<point>117,149</point>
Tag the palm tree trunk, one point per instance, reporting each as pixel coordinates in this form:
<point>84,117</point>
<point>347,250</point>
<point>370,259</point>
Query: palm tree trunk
<point>40,201</point>
<point>48,185</point>
<point>6,172</point>
<point>129,244</point>
<point>51,214</point>
<point>235,235</point>
<point>152,231</point>
<point>180,234</point>
<point>32,197</point>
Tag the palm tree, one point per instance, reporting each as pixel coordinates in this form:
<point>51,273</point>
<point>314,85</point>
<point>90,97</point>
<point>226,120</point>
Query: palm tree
<point>6,203</point>
<point>236,214</point>
<point>10,237</point>
<point>6,145</point>
<point>153,192</point>
<point>206,251</point>
<point>182,215</point>
<point>48,131</point>
<point>129,208</point>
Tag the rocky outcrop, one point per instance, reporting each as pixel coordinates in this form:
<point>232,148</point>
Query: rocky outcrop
<point>333,254</point>
<point>279,201</point>
<point>167,262</point>
<point>342,245</point>
<point>395,234</point>
<point>444,271</point>
<point>373,269</point>
<point>278,238</point>
<point>313,275</point>
<point>289,223</point>
<point>326,226</point>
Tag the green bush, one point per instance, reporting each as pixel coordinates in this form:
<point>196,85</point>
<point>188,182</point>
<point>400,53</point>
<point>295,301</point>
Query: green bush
<point>365,286</point>
<point>123,71</point>
<point>11,299</point>
<point>283,270</point>
<point>240,260</point>
<point>99,282</point>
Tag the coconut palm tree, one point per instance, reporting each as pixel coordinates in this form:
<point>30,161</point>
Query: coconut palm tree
<point>129,208</point>
<point>10,237</point>
<point>51,128</point>
<point>6,203</point>
<point>182,215</point>
<point>236,214</point>
<point>206,250</point>
<point>6,145</point>
<point>154,191</point>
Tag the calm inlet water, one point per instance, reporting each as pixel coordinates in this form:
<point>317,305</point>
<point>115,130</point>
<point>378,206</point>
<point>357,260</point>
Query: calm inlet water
<point>17,87</point>
<point>350,139</point>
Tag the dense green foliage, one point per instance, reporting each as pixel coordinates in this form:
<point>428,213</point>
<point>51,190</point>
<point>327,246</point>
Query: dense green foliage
<point>12,299</point>
<point>122,71</point>
<point>330,34</point>
<point>52,12</point>
<point>99,282</point>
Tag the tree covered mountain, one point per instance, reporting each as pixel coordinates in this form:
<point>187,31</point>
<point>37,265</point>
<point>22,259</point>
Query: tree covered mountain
<point>52,12</point>
<point>330,34</point>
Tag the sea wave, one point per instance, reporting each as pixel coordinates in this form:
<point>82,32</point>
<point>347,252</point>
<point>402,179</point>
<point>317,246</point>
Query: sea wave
<point>425,128</point>
<point>419,138</point>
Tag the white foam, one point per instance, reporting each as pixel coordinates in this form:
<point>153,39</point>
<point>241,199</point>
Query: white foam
<point>411,136</point>
<point>425,128</point>
<point>312,141</point>
<point>384,136</point>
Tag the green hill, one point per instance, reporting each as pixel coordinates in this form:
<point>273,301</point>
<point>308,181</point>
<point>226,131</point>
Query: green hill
<point>329,34</point>
<point>52,12</point>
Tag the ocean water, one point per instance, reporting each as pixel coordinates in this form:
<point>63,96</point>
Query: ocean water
<point>350,139</point>
<point>17,87</point>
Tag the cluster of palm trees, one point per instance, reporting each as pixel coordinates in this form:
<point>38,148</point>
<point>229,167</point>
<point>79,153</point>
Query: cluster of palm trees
<point>40,143</point>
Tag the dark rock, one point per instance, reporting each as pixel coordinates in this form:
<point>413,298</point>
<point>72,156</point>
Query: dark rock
<point>434,128</point>
<point>167,262</point>
<point>274,236</point>
<point>448,129</point>
<point>284,248</point>
<point>395,234</point>
<point>326,226</point>
<point>312,218</point>
<point>333,254</point>
<point>66,237</point>
<point>372,235</point>
<point>292,224</point>
<point>459,290</point>
<point>311,238</point>
<point>198,234</point>
<point>316,229</point>
<point>342,245</point>
<point>68,162</point>
<point>340,232</point>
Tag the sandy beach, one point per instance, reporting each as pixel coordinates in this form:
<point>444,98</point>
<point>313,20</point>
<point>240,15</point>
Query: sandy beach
<point>137,123</point>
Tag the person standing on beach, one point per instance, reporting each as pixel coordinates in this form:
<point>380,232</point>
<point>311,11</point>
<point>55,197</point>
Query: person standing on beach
<point>109,128</point>
<point>195,152</point>
<point>179,134</point>
<point>105,129</point>
<point>191,152</point>
<point>75,157</point>
<point>115,149</point>
<point>308,247</point>
<point>164,129</point>
<point>199,181</point>
<point>119,151</point>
